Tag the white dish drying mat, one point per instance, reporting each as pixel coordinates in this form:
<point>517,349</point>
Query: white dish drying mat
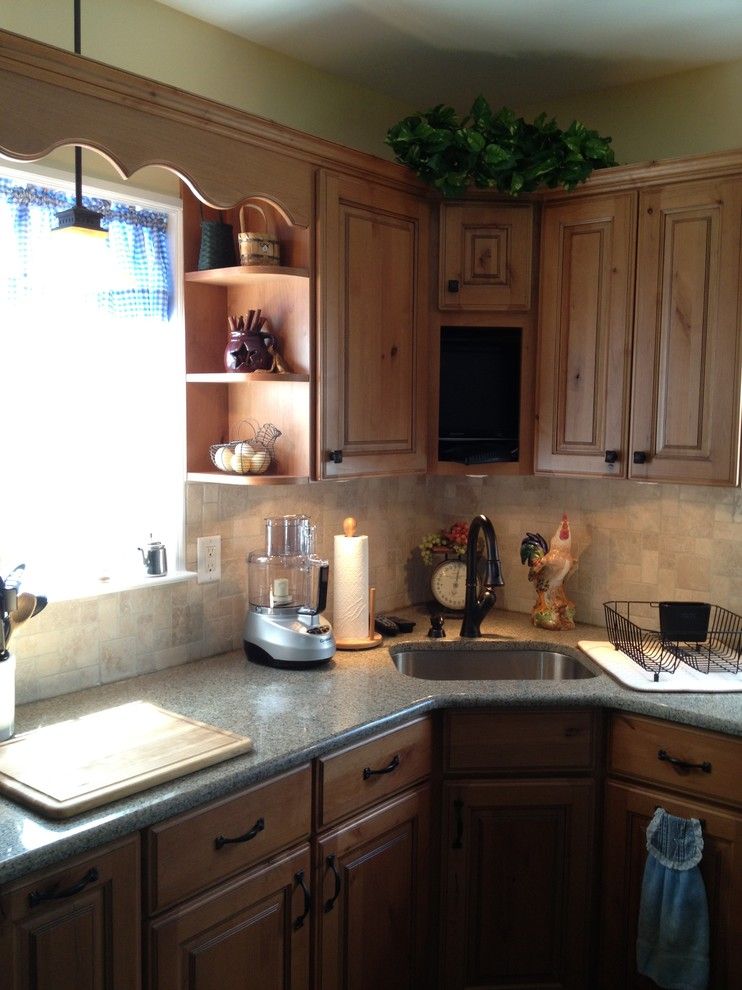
<point>631,674</point>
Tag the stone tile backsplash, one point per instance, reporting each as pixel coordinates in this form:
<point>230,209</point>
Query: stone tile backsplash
<point>632,541</point>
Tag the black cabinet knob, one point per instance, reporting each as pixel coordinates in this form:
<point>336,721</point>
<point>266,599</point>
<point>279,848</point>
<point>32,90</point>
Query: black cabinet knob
<point>336,456</point>
<point>640,457</point>
<point>611,456</point>
<point>453,285</point>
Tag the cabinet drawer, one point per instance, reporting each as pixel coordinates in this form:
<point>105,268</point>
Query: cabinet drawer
<point>369,772</point>
<point>636,743</point>
<point>187,853</point>
<point>522,741</point>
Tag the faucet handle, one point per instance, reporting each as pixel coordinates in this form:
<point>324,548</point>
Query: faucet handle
<point>436,630</point>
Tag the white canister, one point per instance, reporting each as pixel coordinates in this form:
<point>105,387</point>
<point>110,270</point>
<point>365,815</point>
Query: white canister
<point>7,696</point>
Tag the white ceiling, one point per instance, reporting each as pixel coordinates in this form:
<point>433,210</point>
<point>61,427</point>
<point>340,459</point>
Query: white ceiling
<point>515,52</point>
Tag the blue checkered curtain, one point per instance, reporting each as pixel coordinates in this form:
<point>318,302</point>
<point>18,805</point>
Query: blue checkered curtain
<point>137,246</point>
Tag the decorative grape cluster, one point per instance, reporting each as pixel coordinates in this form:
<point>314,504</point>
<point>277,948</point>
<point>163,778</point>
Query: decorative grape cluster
<point>452,540</point>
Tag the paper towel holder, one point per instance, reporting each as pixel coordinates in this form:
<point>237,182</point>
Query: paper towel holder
<point>372,638</point>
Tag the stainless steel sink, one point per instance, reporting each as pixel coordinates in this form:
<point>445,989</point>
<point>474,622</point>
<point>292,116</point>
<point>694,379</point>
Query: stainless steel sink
<point>457,663</point>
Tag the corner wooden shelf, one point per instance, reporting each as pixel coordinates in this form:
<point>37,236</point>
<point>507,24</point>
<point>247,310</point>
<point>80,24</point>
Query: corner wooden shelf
<point>219,402</point>
<point>239,377</point>
<point>241,274</point>
<point>222,478</point>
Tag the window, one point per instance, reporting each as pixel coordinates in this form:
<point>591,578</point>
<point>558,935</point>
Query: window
<point>91,373</point>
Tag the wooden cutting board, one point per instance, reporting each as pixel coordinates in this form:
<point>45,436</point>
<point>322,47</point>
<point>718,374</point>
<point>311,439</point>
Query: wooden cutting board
<point>61,770</point>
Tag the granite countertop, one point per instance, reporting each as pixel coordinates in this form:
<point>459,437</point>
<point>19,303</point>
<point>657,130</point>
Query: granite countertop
<point>295,715</point>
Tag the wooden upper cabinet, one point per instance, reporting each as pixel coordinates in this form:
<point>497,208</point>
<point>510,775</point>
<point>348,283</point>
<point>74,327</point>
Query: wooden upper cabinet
<point>585,317</point>
<point>685,422</point>
<point>373,244</point>
<point>642,380</point>
<point>485,256</point>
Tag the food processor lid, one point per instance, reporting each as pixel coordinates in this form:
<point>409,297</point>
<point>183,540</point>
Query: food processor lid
<point>288,536</point>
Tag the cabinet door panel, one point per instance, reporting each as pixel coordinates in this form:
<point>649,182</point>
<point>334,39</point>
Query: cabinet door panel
<point>373,296</point>
<point>517,884</point>
<point>374,933</point>
<point>239,937</point>
<point>585,319</point>
<point>75,927</point>
<point>628,811</point>
<point>485,256</point>
<point>686,354</point>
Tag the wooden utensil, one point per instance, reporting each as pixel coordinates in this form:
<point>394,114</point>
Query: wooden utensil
<point>23,611</point>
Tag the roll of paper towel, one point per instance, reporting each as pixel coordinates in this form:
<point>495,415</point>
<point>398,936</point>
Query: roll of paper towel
<point>350,619</point>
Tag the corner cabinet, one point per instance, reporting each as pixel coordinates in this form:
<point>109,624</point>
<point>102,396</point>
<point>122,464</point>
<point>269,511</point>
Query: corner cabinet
<point>485,256</point>
<point>373,309</point>
<point>224,406</point>
<point>640,339</point>
<point>519,806</point>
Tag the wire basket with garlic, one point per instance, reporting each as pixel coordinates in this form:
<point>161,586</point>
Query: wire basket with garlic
<point>252,454</point>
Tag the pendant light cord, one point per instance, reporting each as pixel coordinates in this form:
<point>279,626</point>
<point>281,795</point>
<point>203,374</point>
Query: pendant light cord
<point>78,48</point>
<point>78,149</point>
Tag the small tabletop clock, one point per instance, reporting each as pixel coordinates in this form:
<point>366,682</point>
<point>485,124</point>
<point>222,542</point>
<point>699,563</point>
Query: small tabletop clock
<point>448,584</point>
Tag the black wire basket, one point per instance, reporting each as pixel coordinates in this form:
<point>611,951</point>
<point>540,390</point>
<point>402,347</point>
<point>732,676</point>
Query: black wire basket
<point>661,635</point>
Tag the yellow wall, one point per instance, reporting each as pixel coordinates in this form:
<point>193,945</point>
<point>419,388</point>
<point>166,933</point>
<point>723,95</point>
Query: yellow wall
<point>685,114</point>
<point>688,113</point>
<point>155,41</point>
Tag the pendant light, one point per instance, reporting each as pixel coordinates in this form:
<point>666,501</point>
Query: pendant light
<point>79,220</point>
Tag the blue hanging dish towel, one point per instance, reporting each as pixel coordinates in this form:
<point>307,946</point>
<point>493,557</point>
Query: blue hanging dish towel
<point>672,945</point>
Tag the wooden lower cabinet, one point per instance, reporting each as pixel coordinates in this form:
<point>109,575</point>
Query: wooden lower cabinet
<point>628,811</point>
<point>372,882</point>
<point>250,934</point>
<point>75,927</point>
<point>517,878</point>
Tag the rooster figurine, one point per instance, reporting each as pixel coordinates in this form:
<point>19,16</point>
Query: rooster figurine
<point>549,567</point>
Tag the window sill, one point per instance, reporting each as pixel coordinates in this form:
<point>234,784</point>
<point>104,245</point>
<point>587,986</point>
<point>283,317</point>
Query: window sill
<point>94,589</point>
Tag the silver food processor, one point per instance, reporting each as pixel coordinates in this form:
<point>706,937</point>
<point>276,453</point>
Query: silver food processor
<point>287,591</point>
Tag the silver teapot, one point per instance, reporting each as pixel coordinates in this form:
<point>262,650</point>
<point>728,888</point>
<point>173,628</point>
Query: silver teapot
<point>155,558</point>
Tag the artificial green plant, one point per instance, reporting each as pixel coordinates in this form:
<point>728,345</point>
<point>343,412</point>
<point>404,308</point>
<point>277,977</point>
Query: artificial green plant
<point>496,150</point>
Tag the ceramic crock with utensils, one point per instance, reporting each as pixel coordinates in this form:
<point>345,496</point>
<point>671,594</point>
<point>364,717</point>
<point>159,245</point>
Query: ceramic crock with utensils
<point>16,607</point>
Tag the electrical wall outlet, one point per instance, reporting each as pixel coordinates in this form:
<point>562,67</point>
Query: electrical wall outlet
<point>209,558</point>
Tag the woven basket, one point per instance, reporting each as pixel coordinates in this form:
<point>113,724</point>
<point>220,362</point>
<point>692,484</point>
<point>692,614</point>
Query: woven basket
<point>253,454</point>
<point>217,245</point>
<point>255,248</point>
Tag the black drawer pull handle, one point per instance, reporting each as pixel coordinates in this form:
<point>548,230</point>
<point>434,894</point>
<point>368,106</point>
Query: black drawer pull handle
<point>329,904</point>
<point>299,880</point>
<point>368,772</point>
<point>55,895</point>
<point>259,825</point>
<point>682,766</point>
<point>458,808</point>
